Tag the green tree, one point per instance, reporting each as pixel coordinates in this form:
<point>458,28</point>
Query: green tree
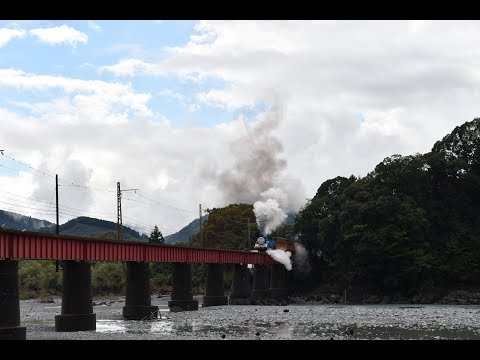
<point>227,228</point>
<point>108,277</point>
<point>108,235</point>
<point>156,236</point>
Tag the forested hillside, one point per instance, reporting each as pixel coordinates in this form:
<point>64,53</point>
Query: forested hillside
<point>410,224</point>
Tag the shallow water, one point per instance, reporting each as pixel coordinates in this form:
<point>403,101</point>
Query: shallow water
<point>305,321</point>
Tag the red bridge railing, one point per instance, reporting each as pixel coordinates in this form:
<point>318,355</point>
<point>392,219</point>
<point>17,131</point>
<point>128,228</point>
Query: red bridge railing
<point>16,244</point>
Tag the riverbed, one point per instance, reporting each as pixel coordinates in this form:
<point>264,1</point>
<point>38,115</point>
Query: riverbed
<point>240,322</point>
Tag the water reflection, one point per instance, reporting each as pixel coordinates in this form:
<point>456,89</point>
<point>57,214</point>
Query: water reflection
<point>111,326</point>
<point>282,330</point>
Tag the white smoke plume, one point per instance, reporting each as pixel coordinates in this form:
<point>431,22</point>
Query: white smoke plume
<point>301,259</point>
<point>257,175</point>
<point>269,215</point>
<point>256,164</point>
<point>257,171</point>
<point>283,257</point>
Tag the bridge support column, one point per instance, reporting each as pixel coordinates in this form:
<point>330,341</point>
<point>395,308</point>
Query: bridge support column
<point>182,295</point>
<point>278,282</point>
<point>240,294</point>
<point>10,303</point>
<point>138,300</point>
<point>290,281</point>
<point>260,283</point>
<point>214,293</point>
<point>77,307</point>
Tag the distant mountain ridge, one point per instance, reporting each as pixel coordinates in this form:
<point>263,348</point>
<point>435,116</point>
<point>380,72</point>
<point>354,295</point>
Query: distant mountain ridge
<point>11,220</point>
<point>184,234</point>
<point>92,227</point>
<point>81,226</point>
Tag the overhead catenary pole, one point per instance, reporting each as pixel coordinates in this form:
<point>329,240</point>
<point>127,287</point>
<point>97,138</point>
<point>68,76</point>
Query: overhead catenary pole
<point>119,211</point>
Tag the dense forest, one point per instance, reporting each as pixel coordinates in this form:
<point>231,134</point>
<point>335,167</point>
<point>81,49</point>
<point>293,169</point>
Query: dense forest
<point>410,225</point>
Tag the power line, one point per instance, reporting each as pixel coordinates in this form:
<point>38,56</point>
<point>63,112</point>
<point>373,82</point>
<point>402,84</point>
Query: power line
<point>66,210</point>
<point>83,187</point>
<point>150,226</point>
<point>52,176</point>
<point>26,165</point>
<point>73,184</point>
<point>66,182</point>
<point>69,208</point>
<point>27,207</point>
<point>146,229</point>
<point>165,205</point>
<point>6,167</point>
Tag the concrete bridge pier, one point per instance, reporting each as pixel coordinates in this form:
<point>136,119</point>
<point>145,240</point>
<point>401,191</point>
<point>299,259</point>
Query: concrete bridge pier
<point>182,295</point>
<point>214,293</point>
<point>138,301</point>
<point>260,283</point>
<point>77,307</point>
<point>240,294</point>
<point>10,303</point>
<point>278,282</point>
<point>290,281</point>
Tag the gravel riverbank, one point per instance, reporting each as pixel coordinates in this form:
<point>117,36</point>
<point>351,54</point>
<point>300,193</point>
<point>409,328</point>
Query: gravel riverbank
<point>293,321</point>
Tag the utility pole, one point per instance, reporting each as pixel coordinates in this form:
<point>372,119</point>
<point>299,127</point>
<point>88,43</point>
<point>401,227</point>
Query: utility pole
<point>119,211</point>
<point>248,224</point>
<point>200,219</point>
<point>56,196</point>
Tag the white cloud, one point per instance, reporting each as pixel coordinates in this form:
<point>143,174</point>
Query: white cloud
<point>163,162</point>
<point>131,67</point>
<point>413,82</point>
<point>94,98</point>
<point>63,34</point>
<point>94,26</point>
<point>6,35</point>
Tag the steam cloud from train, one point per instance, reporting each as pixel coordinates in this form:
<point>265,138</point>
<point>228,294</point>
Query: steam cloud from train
<point>302,263</point>
<point>283,257</point>
<point>257,176</point>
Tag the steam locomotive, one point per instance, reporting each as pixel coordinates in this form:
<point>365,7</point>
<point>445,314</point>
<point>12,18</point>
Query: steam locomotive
<point>269,242</point>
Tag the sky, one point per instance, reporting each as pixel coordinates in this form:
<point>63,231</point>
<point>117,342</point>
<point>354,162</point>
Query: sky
<point>170,107</point>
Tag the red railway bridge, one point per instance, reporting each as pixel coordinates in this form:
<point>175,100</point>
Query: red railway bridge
<point>269,280</point>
